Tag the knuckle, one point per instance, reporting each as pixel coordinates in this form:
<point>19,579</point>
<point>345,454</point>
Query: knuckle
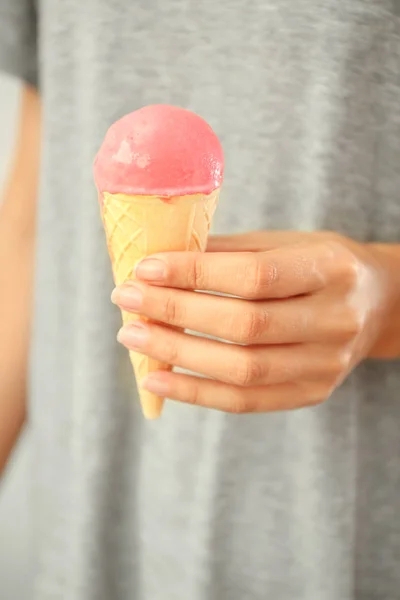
<point>347,269</point>
<point>193,395</point>
<point>351,325</point>
<point>341,362</point>
<point>260,275</point>
<point>350,272</point>
<point>335,364</point>
<point>253,326</point>
<point>172,312</point>
<point>345,266</point>
<point>332,242</point>
<point>170,352</point>
<point>196,273</point>
<point>334,245</point>
<point>246,370</point>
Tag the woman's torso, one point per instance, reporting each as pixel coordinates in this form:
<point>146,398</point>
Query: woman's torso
<point>305,97</point>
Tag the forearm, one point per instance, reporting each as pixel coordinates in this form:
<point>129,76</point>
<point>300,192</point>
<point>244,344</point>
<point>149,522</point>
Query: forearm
<point>17,241</point>
<point>16,270</point>
<point>388,343</point>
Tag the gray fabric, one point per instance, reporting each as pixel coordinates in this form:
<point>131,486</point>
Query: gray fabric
<point>203,506</point>
<point>18,43</point>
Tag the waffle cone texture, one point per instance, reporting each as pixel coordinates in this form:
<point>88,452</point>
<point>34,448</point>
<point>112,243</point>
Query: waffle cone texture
<point>139,226</point>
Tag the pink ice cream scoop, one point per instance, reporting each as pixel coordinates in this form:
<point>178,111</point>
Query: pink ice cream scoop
<point>159,150</point>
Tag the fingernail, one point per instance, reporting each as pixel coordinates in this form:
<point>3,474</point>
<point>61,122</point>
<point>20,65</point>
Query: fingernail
<point>151,269</point>
<point>127,296</point>
<point>134,335</point>
<point>154,383</point>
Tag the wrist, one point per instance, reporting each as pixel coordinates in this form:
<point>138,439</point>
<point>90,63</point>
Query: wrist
<point>387,345</point>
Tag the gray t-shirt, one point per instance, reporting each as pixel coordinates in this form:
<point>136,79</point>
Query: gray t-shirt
<point>305,96</point>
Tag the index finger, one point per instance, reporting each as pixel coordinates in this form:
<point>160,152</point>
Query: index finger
<point>278,273</point>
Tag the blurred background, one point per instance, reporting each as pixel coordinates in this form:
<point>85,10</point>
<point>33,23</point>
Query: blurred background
<point>14,487</point>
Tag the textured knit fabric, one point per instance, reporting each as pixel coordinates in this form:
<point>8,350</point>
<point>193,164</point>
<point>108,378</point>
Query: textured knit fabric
<point>305,96</point>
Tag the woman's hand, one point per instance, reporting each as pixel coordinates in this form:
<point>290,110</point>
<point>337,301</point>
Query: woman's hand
<point>308,308</point>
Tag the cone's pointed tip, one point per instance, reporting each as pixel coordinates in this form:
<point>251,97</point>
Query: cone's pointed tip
<point>152,405</point>
<point>151,416</point>
<point>151,413</point>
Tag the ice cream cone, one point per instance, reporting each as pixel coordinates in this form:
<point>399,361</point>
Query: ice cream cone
<point>158,173</point>
<point>138,226</point>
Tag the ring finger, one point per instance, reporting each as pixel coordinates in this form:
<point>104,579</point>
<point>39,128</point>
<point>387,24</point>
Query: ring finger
<point>239,365</point>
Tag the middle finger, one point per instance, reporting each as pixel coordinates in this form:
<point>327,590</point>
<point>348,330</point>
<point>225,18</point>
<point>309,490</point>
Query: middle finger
<point>236,320</point>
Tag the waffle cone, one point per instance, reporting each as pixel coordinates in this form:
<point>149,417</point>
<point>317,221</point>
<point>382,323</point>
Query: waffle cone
<point>138,226</point>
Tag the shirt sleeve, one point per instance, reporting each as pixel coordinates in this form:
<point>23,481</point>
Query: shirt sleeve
<point>18,39</point>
